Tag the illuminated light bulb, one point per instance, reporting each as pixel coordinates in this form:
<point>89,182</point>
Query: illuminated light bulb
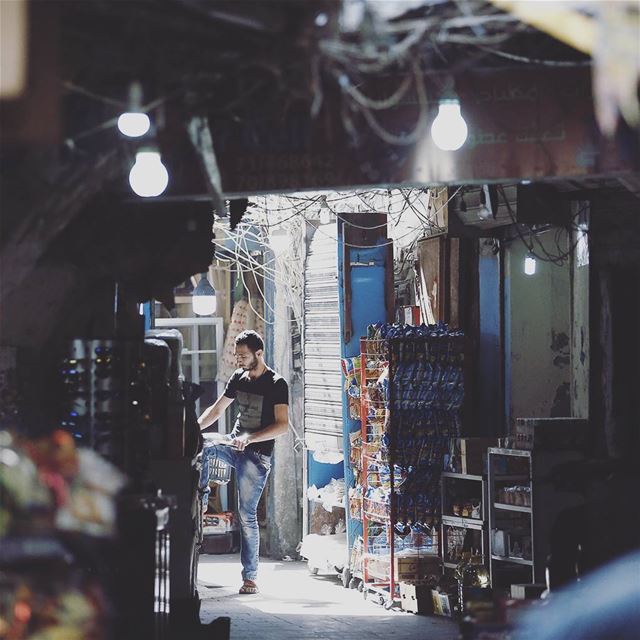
<point>148,177</point>
<point>529,265</point>
<point>484,213</point>
<point>133,124</point>
<point>204,297</point>
<point>449,130</point>
<point>279,241</point>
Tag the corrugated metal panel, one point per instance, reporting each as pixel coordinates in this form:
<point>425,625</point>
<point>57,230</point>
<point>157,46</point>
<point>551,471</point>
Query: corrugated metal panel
<point>322,374</point>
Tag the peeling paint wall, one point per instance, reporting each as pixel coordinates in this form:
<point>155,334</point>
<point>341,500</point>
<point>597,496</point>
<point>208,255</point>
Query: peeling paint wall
<point>580,320</point>
<point>538,311</point>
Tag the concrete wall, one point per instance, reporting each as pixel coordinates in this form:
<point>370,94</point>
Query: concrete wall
<point>580,325</point>
<point>284,518</point>
<point>538,333</point>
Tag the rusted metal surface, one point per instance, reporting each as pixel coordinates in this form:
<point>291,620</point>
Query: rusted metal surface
<point>529,123</point>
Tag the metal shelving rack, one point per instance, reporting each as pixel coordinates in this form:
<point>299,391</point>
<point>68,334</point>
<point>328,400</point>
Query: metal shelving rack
<point>424,408</point>
<point>377,577</point>
<point>461,522</point>
<point>545,503</point>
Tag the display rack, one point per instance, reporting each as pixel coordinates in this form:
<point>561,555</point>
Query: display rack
<point>523,505</point>
<point>411,405</point>
<point>377,531</point>
<point>464,518</point>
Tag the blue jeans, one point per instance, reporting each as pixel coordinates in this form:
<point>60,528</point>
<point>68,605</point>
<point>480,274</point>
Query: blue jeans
<point>252,470</point>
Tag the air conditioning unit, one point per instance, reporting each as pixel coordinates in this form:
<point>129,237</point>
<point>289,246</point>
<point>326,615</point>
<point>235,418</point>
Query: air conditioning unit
<point>485,206</point>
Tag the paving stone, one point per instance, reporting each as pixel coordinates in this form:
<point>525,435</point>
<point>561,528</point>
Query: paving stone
<point>294,605</point>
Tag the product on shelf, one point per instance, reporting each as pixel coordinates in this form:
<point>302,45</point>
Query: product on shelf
<point>216,523</point>
<point>330,495</point>
<point>56,499</point>
<point>412,392</point>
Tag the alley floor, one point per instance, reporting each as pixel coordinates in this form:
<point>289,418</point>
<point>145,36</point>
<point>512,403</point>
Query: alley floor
<point>294,605</point>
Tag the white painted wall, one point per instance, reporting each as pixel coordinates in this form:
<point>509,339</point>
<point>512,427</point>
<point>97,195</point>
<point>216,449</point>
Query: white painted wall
<point>539,315</point>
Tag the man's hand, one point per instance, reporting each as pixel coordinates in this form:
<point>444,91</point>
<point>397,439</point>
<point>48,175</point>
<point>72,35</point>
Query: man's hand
<point>240,442</point>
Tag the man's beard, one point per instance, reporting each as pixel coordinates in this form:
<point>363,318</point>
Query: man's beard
<point>252,365</point>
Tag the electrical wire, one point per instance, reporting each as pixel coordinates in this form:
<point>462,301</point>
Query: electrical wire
<point>391,242</point>
<point>421,121</point>
<point>259,315</point>
<point>336,213</point>
<point>558,260</point>
<point>538,61</point>
<point>243,255</point>
<point>378,105</point>
<point>111,122</point>
<point>273,269</point>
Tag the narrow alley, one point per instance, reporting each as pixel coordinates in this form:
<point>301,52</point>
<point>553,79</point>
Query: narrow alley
<point>294,605</point>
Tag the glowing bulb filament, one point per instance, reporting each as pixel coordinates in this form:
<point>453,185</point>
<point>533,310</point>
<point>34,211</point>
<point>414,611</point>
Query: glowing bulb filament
<point>148,177</point>
<point>134,125</point>
<point>449,130</point>
<point>529,265</point>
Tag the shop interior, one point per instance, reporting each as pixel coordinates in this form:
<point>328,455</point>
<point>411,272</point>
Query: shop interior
<point>429,212</point>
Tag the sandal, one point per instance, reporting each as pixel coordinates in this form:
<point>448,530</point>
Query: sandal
<point>249,587</point>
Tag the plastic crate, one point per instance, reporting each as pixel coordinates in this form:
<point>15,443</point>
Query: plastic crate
<point>219,470</point>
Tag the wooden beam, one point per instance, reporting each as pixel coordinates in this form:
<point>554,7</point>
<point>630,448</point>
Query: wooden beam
<point>557,20</point>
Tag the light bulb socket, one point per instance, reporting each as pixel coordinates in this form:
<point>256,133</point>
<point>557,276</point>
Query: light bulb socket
<point>204,299</point>
<point>135,96</point>
<point>204,288</point>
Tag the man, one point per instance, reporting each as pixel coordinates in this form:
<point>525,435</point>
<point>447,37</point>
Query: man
<point>263,399</point>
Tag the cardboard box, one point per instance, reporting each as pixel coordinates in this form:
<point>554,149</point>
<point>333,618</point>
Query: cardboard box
<point>413,568</point>
<point>224,522</point>
<point>474,597</point>
<point>527,591</point>
<point>409,315</point>
<point>416,598</point>
<point>442,603</point>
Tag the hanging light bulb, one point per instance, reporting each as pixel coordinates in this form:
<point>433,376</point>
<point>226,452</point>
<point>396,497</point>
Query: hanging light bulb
<point>449,130</point>
<point>279,241</point>
<point>484,211</point>
<point>148,177</point>
<point>325,212</point>
<point>134,123</point>
<point>204,297</point>
<point>529,265</point>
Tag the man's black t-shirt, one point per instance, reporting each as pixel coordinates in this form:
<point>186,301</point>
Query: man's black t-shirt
<point>256,399</point>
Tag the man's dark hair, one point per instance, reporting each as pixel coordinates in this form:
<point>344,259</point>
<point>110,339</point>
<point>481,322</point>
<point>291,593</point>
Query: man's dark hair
<point>251,339</point>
